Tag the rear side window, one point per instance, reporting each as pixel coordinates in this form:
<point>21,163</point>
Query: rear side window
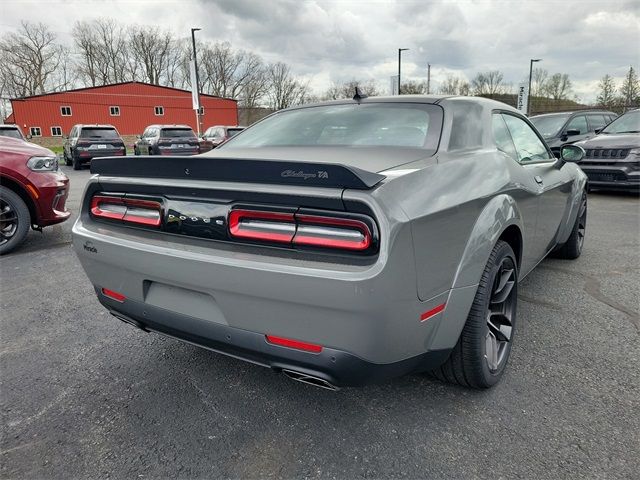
<point>578,123</point>
<point>529,147</point>
<point>177,132</point>
<point>597,121</point>
<point>109,133</point>
<point>233,131</point>
<point>502,136</point>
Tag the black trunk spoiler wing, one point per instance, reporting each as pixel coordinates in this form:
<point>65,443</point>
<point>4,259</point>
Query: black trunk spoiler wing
<point>237,170</point>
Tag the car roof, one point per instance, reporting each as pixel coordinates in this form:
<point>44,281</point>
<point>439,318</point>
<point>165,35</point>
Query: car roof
<point>7,126</point>
<point>94,125</point>
<point>426,99</point>
<point>157,125</point>
<point>574,112</point>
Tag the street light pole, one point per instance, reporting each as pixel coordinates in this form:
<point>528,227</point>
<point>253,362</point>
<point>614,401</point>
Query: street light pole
<point>531,62</point>
<point>195,66</point>
<point>400,50</point>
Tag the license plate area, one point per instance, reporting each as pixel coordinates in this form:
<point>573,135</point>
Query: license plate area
<point>184,301</point>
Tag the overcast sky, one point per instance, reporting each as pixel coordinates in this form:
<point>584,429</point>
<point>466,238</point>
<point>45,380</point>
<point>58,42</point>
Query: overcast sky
<point>327,41</point>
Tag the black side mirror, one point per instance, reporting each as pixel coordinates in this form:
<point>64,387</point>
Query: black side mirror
<point>572,153</point>
<point>571,133</point>
<point>598,130</point>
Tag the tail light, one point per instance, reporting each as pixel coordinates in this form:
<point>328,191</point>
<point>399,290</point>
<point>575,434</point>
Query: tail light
<point>128,210</point>
<point>301,229</point>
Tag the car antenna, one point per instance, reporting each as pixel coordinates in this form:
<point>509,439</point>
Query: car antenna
<point>359,95</point>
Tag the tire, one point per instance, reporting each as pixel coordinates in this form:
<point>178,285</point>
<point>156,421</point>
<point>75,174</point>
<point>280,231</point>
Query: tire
<point>572,248</point>
<point>15,220</point>
<point>67,160</point>
<point>76,162</point>
<point>481,354</point>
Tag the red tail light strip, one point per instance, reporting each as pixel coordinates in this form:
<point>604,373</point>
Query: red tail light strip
<point>298,345</point>
<point>300,229</point>
<point>343,233</point>
<point>130,210</point>
<point>258,225</point>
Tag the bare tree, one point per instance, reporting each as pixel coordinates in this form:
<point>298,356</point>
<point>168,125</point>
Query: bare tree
<point>455,86</point>
<point>488,83</point>
<point>104,52</point>
<point>31,62</point>
<point>414,88</point>
<point>607,95</point>
<point>558,86</point>
<point>284,89</point>
<point>348,89</point>
<point>151,49</point>
<point>538,81</point>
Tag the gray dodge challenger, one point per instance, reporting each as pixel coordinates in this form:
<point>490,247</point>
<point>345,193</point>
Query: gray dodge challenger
<point>340,243</point>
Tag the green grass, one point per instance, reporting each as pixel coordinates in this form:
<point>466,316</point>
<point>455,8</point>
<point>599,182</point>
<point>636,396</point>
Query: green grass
<point>56,150</point>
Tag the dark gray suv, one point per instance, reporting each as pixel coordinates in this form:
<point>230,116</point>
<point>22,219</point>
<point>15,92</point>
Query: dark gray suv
<point>569,127</point>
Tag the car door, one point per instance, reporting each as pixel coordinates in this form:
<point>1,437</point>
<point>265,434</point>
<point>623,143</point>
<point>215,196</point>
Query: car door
<point>554,184</point>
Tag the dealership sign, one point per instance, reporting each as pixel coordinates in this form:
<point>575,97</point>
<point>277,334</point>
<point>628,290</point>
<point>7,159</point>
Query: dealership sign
<point>523,97</point>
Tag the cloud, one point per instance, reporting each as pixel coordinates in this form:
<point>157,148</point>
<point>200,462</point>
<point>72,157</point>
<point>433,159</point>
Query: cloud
<point>327,41</point>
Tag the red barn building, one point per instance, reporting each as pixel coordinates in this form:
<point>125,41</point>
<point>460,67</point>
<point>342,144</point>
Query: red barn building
<point>128,106</point>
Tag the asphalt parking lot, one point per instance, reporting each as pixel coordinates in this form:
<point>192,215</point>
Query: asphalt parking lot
<point>84,395</point>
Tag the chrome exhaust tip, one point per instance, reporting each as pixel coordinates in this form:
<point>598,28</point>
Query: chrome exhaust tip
<point>310,380</point>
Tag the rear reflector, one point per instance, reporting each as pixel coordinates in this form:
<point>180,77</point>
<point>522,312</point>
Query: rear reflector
<point>113,295</point>
<point>430,313</point>
<point>300,229</point>
<point>287,342</point>
<point>130,210</point>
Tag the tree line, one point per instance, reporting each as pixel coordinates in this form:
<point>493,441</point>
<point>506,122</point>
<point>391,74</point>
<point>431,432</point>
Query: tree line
<point>103,51</point>
<point>32,62</point>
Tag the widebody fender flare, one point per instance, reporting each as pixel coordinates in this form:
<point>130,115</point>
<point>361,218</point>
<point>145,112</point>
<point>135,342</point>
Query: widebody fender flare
<point>499,213</point>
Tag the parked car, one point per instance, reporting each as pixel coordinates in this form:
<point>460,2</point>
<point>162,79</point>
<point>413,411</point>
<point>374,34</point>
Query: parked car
<point>220,134</point>
<point>612,157</point>
<point>386,236</point>
<point>33,191</point>
<point>167,140</point>
<point>13,131</point>
<point>86,142</point>
<point>569,127</point>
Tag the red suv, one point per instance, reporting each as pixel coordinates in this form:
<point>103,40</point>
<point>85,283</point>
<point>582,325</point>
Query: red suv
<point>33,191</point>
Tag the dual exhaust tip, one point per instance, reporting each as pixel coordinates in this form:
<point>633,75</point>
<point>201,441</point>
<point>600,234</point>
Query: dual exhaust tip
<point>310,380</point>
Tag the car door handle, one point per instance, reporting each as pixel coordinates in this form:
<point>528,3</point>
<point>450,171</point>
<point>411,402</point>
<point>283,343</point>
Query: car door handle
<point>538,179</point>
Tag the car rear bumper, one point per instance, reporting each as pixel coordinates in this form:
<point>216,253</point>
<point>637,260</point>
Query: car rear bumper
<point>370,312</point>
<point>616,175</point>
<point>335,367</point>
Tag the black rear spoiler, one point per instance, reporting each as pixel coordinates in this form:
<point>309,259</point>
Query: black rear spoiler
<point>237,170</point>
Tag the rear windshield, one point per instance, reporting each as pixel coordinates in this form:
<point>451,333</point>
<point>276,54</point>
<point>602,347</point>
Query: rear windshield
<point>549,125</point>
<point>352,125</point>
<point>97,132</point>
<point>10,132</point>
<point>177,132</point>
<point>627,123</point>
<point>233,131</point>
